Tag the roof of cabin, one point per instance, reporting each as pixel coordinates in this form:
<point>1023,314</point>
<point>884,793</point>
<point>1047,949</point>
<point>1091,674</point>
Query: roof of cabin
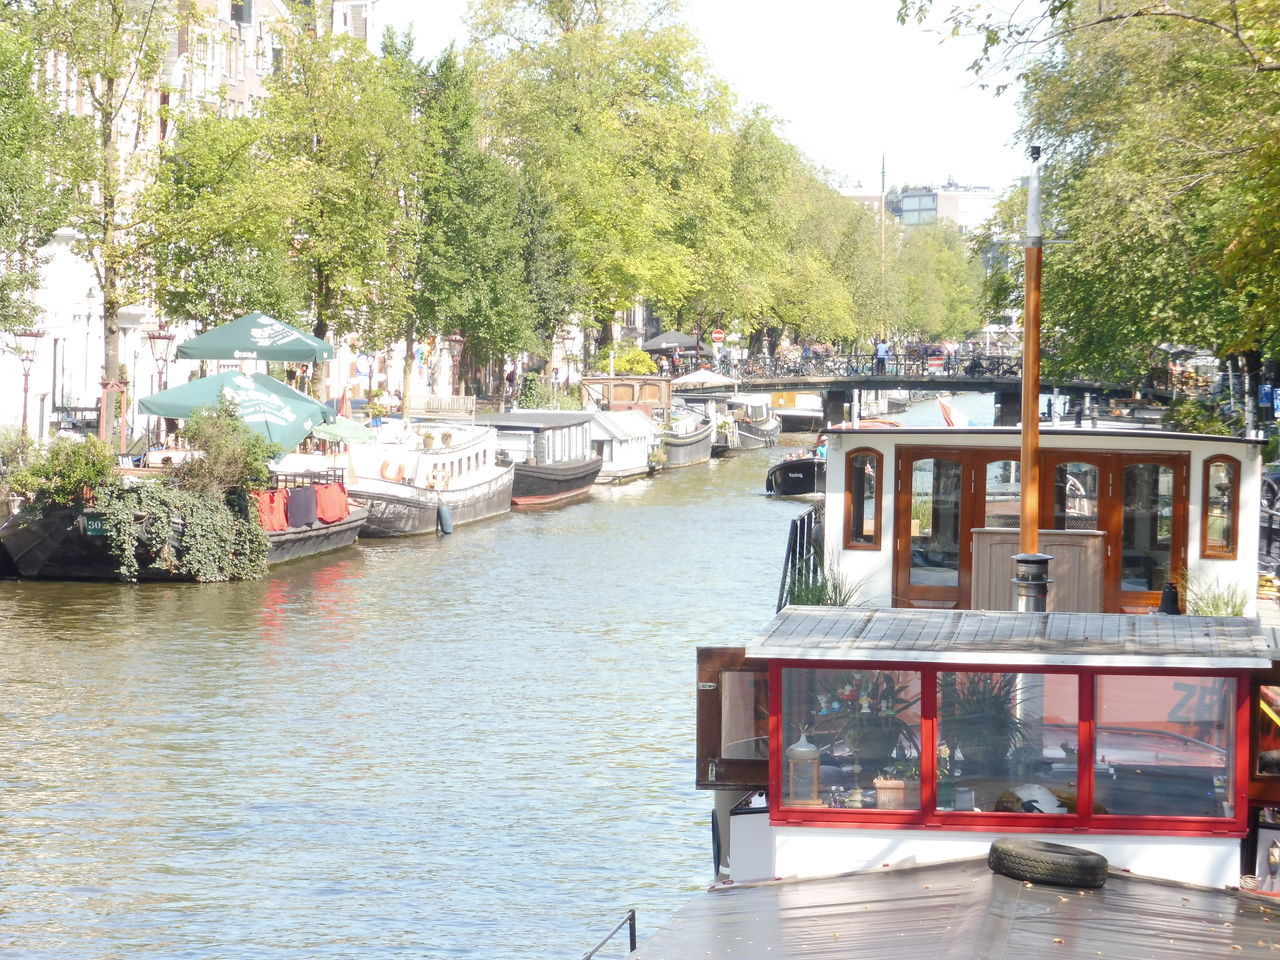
<point>962,909</point>
<point>1004,637</point>
<point>533,419</point>
<point>1047,432</point>
<point>625,424</point>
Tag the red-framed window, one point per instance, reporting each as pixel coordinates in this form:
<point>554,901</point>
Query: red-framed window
<point>1038,749</point>
<point>1220,516</point>
<point>863,483</point>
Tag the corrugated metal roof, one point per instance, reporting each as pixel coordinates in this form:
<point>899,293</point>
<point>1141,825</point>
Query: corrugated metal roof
<point>1005,637</point>
<point>961,911</point>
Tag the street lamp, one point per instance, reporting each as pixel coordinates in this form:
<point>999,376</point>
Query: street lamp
<point>27,356</point>
<point>455,341</point>
<point>160,341</point>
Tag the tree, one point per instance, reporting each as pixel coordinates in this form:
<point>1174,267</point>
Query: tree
<point>220,216</point>
<point>32,201</point>
<point>331,126</point>
<point>463,242</point>
<point>593,100</point>
<point>114,52</point>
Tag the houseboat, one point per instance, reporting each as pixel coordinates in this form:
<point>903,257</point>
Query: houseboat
<point>427,475</point>
<point>551,451</point>
<point>650,395</point>
<point>627,443</point>
<point>687,437</point>
<point>934,739</point>
<point>757,424</point>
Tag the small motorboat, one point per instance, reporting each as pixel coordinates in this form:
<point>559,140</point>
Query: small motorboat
<point>797,477</point>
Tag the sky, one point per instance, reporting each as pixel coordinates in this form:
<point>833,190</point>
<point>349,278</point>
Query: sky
<point>847,82</point>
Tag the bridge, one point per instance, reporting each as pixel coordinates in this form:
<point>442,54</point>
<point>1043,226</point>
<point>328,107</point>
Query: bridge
<point>837,378</point>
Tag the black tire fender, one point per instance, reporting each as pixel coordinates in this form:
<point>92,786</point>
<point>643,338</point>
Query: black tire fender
<point>1037,861</point>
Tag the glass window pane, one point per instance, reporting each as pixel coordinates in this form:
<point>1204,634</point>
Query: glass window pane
<point>1075,497</point>
<point>1008,742</point>
<point>744,715</point>
<point>1003,494</point>
<point>1268,725</point>
<point>1220,529</point>
<point>935,523</point>
<point>864,486</point>
<point>1163,746</point>
<point>865,725</point>
<point>1147,537</point>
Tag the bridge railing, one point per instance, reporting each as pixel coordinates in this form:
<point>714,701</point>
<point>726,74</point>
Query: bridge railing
<point>851,365</point>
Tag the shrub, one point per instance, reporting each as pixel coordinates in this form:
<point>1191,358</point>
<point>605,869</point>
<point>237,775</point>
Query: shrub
<point>632,361</point>
<point>65,471</point>
<point>234,456</point>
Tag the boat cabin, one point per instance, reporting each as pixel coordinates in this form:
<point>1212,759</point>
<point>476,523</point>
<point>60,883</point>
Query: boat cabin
<point>928,518</point>
<point>849,738</point>
<point>647,394</point>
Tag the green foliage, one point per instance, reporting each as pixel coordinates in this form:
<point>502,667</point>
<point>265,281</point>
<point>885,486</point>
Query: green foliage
<point>1205,596</point>
<point>234,457</point>
<point>1193,415</point>
<point>631,361</point>
<point>15,449</point>
<point>64,471</point>
<point>32,202</point>
<point>830,589</point>
<point>977,715</point>
<point>169,531</point>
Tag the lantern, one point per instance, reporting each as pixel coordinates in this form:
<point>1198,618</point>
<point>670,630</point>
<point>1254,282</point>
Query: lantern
<point>803,780</point>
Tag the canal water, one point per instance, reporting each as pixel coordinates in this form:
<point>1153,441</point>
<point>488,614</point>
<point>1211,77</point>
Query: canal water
<point>477,746</point>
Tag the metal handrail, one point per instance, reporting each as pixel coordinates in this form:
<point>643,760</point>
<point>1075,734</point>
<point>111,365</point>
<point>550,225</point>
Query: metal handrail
<point>803,559</point>
<point>628,921</point>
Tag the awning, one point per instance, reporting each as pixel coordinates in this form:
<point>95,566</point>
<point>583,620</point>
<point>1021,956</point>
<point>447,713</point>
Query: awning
<point>961,910</point>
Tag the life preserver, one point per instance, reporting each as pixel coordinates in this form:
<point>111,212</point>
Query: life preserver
<point>397,477</point>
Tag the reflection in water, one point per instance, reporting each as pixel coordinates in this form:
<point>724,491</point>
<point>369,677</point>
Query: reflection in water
<point>473,746</point>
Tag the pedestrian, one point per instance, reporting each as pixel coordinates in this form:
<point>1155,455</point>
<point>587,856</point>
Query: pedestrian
<point>820,450</point>
<point>882,357</point>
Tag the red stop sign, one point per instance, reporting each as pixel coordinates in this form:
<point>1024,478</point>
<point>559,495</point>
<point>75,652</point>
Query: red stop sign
<point>717,336</point>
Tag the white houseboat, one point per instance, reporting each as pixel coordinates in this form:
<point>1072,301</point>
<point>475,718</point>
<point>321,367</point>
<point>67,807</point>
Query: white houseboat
<point>931,719</point>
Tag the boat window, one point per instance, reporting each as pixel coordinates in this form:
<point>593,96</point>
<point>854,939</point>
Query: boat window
<point>851,738</point>
<point>1075,496</point>
<point>1008,742</point>
<point>651,393</point>
<point>1267,727</point>
<point>623,393</point>
<point>1004,497</point>
<point>744,716</point>
<point>1147,530</point>
<point>1221,505</point>
<point>1163,746</point>
<point>863,472</point>
<point>935,522</point>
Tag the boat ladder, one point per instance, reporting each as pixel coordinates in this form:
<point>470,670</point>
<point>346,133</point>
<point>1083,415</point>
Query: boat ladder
<point>629,921</point>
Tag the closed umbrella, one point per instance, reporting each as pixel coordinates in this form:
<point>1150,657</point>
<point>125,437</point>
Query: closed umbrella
<point>256,336</point>
<point>267,406</point>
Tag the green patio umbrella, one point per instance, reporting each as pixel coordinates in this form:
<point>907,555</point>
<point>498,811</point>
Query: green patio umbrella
<point>343,430</point>
<point>256,336</point>
<point>267,406</point>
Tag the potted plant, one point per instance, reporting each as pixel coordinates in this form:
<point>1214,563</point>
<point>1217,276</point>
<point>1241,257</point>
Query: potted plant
<point>863,709</point>
<point>447,437</point>
<point>978,720</point>
<point>428,440</point>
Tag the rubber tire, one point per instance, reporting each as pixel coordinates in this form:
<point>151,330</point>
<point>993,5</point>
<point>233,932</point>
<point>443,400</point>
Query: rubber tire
<point>1036,861</point>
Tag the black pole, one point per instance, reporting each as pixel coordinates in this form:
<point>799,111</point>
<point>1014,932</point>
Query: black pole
<point>1031,582</point>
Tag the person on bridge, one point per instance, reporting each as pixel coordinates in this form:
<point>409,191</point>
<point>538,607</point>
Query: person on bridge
<point>882,356</point>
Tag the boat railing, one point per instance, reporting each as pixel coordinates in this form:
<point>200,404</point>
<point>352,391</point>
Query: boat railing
<point>304,478</point>
<point>628,921</point>
<point>443,407</point>
<point>803,562</point>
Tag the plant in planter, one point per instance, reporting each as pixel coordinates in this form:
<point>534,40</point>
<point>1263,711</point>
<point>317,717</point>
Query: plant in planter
<point>864,710</point>
<point>446,438</point>
<point>978,720</point>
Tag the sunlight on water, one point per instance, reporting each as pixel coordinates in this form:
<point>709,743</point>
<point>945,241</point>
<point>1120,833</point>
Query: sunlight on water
<point>479,746</point>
